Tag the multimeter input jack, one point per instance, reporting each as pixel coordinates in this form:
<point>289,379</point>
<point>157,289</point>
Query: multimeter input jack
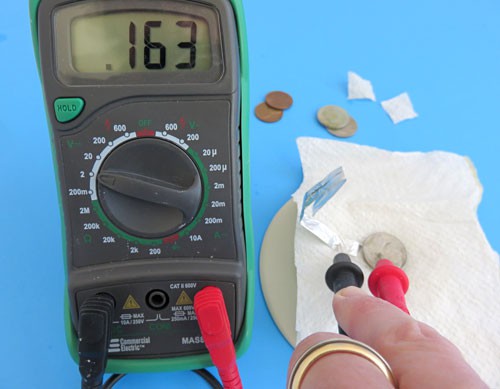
<point>157,299</point>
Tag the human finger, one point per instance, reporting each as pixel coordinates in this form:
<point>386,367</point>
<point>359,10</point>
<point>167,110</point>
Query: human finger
<point>418,355</point>
<point>336,370</point>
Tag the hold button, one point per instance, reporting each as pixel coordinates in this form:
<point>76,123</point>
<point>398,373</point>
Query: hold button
<point>68,108</point>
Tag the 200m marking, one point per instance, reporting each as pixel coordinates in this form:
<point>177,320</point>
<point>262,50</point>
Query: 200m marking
<point>213,220</point>
<point>78,192</point>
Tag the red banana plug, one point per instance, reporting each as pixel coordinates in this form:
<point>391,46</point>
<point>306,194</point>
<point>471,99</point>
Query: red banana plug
<point>214,324</point>
<point>390,283</point>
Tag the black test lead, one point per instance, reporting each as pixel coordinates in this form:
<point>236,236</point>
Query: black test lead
<point>343,273</point>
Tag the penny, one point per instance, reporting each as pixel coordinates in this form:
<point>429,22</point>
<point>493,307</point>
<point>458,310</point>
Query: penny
<point>333,117</point>
<point>279,100</point>
<point>267,114</point>
<point>382,245</point>
<point>346,131</point>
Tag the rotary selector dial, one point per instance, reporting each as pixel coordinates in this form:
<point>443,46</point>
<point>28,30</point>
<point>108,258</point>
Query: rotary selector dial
<point>148,187</point>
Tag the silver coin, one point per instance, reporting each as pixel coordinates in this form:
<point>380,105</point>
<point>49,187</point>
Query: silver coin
<point>383,246</point>
<point>346,131</point>
<point>333,117</point>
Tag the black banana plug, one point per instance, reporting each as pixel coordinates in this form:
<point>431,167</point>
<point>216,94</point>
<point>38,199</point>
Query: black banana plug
<point>94,331</point>
<point>343,273</point>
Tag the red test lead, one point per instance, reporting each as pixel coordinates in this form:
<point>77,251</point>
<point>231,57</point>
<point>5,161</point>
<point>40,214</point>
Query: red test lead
<point>390,283</point>
<point>214,324</point>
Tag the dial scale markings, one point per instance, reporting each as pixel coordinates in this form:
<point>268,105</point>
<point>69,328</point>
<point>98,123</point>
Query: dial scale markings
<point>209,235</point>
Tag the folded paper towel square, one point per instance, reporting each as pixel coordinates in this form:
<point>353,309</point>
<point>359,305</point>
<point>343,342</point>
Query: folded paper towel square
<point>427,200</point>
<point>399,108</point>
<point>359,88</point>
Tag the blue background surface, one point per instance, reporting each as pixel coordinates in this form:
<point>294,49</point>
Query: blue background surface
<point>445,54</point>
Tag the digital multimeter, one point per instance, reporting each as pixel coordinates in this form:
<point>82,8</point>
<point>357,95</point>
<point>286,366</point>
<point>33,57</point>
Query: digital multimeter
<point>147,106</point>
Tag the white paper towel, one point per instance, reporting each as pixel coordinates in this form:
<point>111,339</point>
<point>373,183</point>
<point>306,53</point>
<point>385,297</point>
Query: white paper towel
<point>427,200</point>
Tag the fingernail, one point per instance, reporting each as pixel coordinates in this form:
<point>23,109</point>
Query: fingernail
<point>351,291</point>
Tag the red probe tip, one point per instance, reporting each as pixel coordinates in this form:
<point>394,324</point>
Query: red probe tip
<point>215,328</point>
<point>390,283</point>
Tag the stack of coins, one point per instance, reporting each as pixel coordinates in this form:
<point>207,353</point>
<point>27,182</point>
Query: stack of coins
<point>337,121</point>
<point>272,109</point>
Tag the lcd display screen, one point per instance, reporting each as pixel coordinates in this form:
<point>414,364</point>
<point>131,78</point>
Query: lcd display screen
<point>139,41</point>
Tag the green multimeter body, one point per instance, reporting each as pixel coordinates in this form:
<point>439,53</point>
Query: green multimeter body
<point>147,103</point>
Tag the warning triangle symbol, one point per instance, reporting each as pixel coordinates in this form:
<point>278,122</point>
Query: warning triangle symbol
<point>184,299</point>
<point>131,303</point>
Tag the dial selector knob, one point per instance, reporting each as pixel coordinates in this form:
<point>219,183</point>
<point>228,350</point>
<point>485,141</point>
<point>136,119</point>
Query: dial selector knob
<point>149,188</point>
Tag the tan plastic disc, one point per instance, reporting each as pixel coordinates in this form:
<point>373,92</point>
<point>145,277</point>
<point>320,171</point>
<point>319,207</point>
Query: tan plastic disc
<point>278,276</point>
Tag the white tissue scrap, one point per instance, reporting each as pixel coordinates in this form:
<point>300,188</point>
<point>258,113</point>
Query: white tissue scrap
<point>427,200</point>
<point>359,88</point>
<point>399,108</point>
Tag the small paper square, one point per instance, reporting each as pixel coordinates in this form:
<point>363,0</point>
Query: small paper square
<point>359,88</point>
<point>399,108</point>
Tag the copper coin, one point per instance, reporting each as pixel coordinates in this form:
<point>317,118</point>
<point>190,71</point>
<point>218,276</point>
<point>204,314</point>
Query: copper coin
<point>267,114</point>
<point>279,100</point>
<point>346,131</point>
<point>382,245</point>
<point>333,117</point>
